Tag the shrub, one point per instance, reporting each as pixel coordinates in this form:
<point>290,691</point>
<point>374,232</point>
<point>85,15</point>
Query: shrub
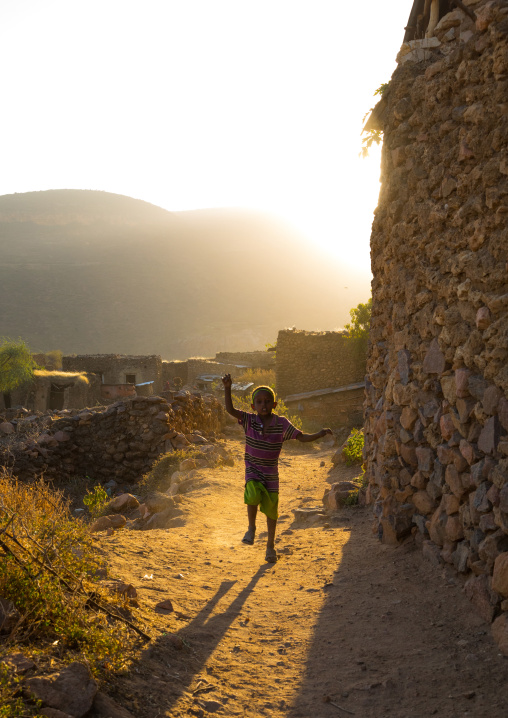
<point>96,500</point>
<point>48,571</point>
<point>353,449</point>
<point>159,476</point>
<point>11,704</point>
<point>352,499</point>
<point>260,377</point>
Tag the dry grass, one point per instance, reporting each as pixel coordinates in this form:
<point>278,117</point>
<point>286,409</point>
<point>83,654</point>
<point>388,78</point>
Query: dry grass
<point>61,377</point>
<point>48,571</point>
<point>260,377</point>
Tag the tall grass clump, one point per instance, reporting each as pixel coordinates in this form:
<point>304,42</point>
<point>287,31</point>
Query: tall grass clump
<point>47,570</point>
<point>159,476</point>
<point>260,377</point>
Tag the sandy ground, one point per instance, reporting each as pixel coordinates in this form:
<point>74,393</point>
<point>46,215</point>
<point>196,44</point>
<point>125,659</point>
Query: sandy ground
<point>340,625</point>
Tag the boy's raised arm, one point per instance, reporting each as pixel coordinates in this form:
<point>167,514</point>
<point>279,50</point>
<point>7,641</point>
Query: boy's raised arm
<point>227,381</point>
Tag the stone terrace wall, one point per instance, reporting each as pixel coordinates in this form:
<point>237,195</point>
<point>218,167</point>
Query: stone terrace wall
<point>307,361</point>
<point>114,367</point>
<point>119,442</point>
<point>437,407</point>
<point>256,360</point>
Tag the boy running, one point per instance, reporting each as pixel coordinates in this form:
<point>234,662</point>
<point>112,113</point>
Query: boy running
<point>265,433</point>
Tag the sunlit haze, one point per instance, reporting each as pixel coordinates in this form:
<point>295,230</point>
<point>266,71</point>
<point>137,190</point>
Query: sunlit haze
<point>202,103</point>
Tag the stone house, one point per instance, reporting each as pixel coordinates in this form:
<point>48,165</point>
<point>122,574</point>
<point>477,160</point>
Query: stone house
<point>55,390</point>
<point>117,369</point>
<point>320,376</point>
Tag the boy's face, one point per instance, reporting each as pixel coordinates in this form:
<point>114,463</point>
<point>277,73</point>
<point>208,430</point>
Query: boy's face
<point>264,403</point>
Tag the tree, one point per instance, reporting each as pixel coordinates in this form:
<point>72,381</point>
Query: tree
<point>16,366</point>
<point>360,321</point>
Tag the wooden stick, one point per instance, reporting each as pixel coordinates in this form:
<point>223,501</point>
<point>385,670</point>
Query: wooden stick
<point>335,705</point>
<point>433,18</point>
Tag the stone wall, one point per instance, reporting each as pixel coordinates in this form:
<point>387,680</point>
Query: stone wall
<point>173,369</point>
<point>436,397</point>
<point>255,360</point>
<point>114,368</point>
<point>196,367</point>
<point>118,442</point>
<point>307,361</point>
<point>335,410</point>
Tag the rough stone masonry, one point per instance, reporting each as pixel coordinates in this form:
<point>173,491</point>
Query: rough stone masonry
<point>437,373</point>
<point>120,441</point>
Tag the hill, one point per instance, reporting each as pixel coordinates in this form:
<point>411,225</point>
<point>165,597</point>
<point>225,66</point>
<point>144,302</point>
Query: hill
<point>86,271</point>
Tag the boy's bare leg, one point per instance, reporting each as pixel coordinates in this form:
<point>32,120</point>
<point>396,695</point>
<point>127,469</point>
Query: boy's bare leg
<point>252,512</point>
<point>251,531</point>
<point>271,525</point>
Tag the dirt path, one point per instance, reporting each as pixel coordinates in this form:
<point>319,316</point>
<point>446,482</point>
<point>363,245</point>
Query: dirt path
<point>340,617</point>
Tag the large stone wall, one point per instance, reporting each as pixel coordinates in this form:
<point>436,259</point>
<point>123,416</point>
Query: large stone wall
<point>436,398</point>
<point>336,410</point>
<point>307,361</point>
<point>119,442</point>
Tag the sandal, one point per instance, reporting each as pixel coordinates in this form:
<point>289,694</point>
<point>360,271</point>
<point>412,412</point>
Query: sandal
<point>249,537</point>
<point>271,555</point>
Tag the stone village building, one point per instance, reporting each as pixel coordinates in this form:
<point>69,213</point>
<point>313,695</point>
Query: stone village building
<point>436,406</point>
<point>320,376</point>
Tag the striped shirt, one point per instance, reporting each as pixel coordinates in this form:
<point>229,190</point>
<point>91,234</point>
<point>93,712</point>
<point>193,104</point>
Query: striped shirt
<point>262,450</point>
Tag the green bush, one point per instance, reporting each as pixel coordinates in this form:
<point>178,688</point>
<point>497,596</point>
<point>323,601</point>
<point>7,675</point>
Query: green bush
<point>11,703</point>
<point>96,500</point>
<point>353,450</point>
<point>354,494</point>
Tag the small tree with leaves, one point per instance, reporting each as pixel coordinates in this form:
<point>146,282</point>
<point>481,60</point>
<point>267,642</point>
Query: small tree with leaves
<point>360,321</point>
<point>16,366</point>
<point>373,128</point>
<point>359,328</point>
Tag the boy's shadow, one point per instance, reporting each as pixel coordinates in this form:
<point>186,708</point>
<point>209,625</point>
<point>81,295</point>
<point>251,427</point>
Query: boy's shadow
<point>201,636</point>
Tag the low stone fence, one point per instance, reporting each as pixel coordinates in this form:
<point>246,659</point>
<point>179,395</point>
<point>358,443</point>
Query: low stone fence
<point>119,442</point>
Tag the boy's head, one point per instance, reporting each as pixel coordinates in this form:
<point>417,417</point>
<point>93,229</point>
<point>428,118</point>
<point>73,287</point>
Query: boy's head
<point>263,400</point>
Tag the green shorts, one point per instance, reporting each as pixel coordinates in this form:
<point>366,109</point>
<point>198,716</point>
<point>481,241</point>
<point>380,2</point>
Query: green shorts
<point>257,495</point>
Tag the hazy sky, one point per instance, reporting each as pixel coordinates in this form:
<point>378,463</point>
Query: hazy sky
<point>202,103</point>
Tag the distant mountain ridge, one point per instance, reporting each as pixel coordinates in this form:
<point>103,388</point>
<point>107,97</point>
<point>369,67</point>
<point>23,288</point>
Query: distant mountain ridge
<point>86,271</point>
<point>78,205</point>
